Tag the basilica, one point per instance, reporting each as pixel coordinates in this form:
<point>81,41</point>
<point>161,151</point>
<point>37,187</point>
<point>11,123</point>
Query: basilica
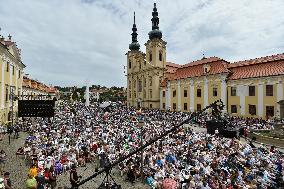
<point>249,88</point>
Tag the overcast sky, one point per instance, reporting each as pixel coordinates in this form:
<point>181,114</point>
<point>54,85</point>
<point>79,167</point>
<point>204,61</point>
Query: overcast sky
<point>71,42</point>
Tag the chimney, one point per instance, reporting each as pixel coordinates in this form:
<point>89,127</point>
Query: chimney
<point>10,37</point>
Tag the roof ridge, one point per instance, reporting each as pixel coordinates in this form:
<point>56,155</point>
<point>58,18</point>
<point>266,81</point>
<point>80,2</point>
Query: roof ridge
<point>201,61</point>
<point>263,59</point>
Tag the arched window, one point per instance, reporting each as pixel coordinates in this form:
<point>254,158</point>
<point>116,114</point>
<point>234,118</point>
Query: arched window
<point>129,64</point>
<point>139,85</point>
<point>160,56</point>
<point>134,84</point>
<point>150,57</point>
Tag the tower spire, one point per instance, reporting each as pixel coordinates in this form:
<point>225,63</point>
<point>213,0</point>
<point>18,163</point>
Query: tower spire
<point>134,45</point>
<point>155,33</point>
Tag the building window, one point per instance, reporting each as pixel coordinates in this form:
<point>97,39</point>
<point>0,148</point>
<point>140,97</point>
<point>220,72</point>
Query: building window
<point>129,64</point>
<point>7,94</point>
<point>160,56</point>
<point>145,82</point>
<point>144,63</point>
<point>251,90</point>
<point>174,106</point>
<point>150,57</point>
<point>198,92</point>
<point>164,105</point>
<point>150,105</point>
<point>150,81</point>
<point>144,94</point>
<point>139,85</point>
<point>7,68</point>
<point>215,93</point>
<point>13,70</point>
<point>174,93</point>
<point>185,93</point>
<point>150,93</point>
<point>129,84</point>
<point>234,109</point>
<point>134,84</point>
<point>140,66</point>
<point>205,70</point>
<point>134,94</point>
<point>185,106</point>
<point>19,76</point>
<point>252,109</point>
<point>269,90</point>
<point>164,93</point>
<point>269,111</point>
<point>233,91</point>
<point>198,107</point>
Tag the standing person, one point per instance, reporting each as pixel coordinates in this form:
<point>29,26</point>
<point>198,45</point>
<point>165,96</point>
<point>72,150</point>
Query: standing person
<point>33,170</point>
<point>31,182</point>
<point>74,176</point>
<point>7,181</point>
<point>52,178</point>
<point>40,180</point>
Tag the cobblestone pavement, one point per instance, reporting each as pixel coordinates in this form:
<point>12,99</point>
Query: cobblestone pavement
<point>15,165</point>
<point>18,169</point>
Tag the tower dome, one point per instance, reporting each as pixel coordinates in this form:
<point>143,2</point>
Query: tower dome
<point>155,33</point>
<point>134,45</point>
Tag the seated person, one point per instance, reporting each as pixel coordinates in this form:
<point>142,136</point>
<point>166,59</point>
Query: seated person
<point>20,151</point>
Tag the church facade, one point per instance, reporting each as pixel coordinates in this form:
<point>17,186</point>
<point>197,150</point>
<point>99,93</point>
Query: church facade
<point>250,88</point>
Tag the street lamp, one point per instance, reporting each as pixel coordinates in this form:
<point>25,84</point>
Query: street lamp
<point>12,98</point>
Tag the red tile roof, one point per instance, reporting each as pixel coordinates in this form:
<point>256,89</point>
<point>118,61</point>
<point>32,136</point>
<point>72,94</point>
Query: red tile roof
<point>257,60</point>
<point>8,43</point>
<point>259,67</point>
<point>163,83</point>
<point>171,64</point>
<point>202,61</point>
<point>195,68</point>
<point>257,70</point>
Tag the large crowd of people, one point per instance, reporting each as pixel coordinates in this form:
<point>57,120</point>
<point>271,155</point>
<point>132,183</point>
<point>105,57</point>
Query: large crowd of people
<point>184,159</point>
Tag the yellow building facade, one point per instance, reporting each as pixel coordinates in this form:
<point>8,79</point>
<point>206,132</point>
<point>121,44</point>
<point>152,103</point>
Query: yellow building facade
<point>11,77</point>
<point>249,88</point>
<point>145,71</point>
<point>33,89</point>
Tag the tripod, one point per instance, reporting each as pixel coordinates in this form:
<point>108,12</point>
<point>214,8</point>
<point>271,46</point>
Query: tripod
<point>106,181</point>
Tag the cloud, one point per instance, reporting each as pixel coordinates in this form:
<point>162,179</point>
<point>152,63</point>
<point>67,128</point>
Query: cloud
<point>67,42</point>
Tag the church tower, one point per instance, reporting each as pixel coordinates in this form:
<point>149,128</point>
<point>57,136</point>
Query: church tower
<point>135,60</point>
<point>155,62</point>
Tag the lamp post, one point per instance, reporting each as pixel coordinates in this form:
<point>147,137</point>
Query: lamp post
<point>12,113</point>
